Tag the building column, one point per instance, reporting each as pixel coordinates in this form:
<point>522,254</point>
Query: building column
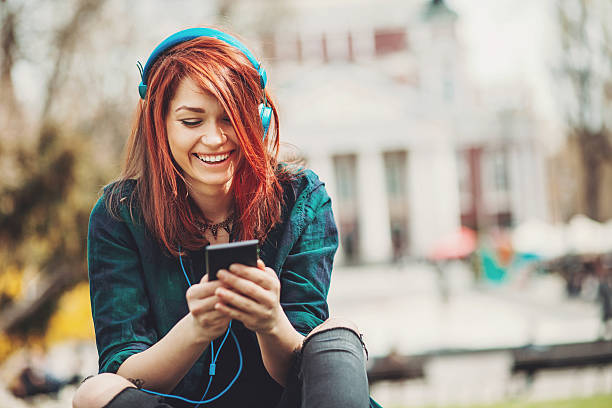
<point>373,208</point>
<point>434,196</point>
<point>528,179</point>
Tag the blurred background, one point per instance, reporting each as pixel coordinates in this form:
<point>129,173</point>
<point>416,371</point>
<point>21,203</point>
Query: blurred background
<point>466,145</point>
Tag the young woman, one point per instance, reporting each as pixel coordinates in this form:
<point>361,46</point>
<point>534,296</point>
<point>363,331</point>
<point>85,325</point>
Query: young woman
<point>202,168</point>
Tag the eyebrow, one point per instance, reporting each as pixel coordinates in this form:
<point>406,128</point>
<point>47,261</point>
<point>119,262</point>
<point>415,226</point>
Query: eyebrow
<point>190,108</point>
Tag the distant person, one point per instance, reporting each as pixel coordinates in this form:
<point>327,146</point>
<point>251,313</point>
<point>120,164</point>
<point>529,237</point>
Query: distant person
<point>33,378</point>
<point>202,168</point>
<point>397,244</point>
<point>604,295</point>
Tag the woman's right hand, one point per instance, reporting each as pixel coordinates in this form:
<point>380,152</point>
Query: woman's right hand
<point>208,322</point>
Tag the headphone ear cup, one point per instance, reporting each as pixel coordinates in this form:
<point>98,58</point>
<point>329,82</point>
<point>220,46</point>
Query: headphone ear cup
<point>265,113</point>
<point>142,90</point>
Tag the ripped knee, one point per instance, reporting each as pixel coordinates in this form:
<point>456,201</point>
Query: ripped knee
<point>334,323</point>
<point>99,390</point>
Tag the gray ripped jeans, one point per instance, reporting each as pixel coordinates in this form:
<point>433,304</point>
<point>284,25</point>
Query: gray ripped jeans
<point>328,372</point>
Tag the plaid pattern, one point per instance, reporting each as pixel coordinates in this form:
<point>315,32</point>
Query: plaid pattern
<point>138,290</point>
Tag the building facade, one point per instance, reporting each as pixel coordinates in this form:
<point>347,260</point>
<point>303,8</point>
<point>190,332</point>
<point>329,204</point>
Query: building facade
<point>409,149</point>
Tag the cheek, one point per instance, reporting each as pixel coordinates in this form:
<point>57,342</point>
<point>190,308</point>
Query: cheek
<point>236,144</point>
<point>178,147</point>
<point>172,146</point>
<point>238,156</point>
<point>175,156</point>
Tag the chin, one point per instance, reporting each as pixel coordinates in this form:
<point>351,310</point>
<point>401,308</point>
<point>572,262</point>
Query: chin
<point>210,182</point>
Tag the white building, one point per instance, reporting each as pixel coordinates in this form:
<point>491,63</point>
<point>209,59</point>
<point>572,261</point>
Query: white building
<point>385,115</point>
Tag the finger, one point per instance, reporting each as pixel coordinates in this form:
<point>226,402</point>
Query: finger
<point>243,286</point>
<point>232,312</point>
<point>204,311</point>
<point>240,302</point>
<point>261,265</point>
<point>272,273</point>
<point>204,278</point>
<point>253,274</point>
<point>202,290</point>
<point>213,319</point>
<point>200,306</point>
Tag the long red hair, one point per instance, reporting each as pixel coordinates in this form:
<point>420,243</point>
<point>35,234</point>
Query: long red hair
<point>161,190</point>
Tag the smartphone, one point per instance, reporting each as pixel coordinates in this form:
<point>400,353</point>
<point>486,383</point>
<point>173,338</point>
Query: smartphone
<point>221,256</point>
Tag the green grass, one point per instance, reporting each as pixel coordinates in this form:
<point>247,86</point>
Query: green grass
<point>598,401</point>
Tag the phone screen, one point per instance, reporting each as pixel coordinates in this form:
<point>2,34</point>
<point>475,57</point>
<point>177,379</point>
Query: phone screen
<point>221,256</point>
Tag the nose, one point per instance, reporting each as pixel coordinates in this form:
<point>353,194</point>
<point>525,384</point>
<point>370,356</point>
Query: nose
<point>213,135</point>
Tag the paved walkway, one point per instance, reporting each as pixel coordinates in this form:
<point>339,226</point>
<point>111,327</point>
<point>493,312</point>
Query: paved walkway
<point>413,309</point>
<point>410,309</point>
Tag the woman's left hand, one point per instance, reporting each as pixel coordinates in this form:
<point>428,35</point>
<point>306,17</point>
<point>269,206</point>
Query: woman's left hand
<point>251,295</point>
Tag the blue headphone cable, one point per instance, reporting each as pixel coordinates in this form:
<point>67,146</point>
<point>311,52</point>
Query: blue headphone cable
<point>213,361</point>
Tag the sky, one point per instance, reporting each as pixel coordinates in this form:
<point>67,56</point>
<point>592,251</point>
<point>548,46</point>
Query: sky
<point>510,40</point>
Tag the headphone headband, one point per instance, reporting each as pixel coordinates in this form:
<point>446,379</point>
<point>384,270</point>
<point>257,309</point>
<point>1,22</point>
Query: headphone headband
<point>190,34</point>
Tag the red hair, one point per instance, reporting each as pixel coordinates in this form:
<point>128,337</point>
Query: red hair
<point>161,190</point>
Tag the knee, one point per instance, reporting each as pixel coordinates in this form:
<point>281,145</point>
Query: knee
<point>333,366</point>
<point>334,333</point>
<point>335,323</point>
<point>98,391</point>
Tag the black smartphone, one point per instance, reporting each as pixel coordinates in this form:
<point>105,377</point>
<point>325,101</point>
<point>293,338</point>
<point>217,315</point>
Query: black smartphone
<point>221,256</point>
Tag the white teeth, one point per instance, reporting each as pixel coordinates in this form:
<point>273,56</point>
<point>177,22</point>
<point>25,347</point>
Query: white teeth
<point>213,158</point>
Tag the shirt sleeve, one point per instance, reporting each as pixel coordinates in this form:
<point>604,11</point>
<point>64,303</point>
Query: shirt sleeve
<point>306,273</point>
<point>119,303</point>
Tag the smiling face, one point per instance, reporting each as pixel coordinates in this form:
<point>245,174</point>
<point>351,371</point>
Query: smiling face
<point>202,139</point>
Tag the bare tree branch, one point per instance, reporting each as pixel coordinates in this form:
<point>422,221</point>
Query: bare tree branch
<point>65,41</point>
<point>8,49</point>
<point>589,88</point>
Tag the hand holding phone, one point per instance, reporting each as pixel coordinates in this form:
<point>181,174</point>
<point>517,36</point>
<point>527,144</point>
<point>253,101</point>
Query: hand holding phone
<point>221,256</point>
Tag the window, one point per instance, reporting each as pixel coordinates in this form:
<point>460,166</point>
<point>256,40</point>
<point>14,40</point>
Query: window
<point>390,40</point>
<point>345,170</point>
<point>396,177</point>
<point>395,173</point>
<point>496,186</point>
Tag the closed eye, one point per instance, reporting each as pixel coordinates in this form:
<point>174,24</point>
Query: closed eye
<point>191,122</point>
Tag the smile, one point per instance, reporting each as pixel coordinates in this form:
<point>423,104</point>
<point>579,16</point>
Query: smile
<point>213,158</point>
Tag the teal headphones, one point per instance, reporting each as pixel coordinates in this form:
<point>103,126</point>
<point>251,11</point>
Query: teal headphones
<point>265,112</point>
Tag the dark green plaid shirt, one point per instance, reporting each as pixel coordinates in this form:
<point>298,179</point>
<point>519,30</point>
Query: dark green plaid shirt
<point>138,291</point>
